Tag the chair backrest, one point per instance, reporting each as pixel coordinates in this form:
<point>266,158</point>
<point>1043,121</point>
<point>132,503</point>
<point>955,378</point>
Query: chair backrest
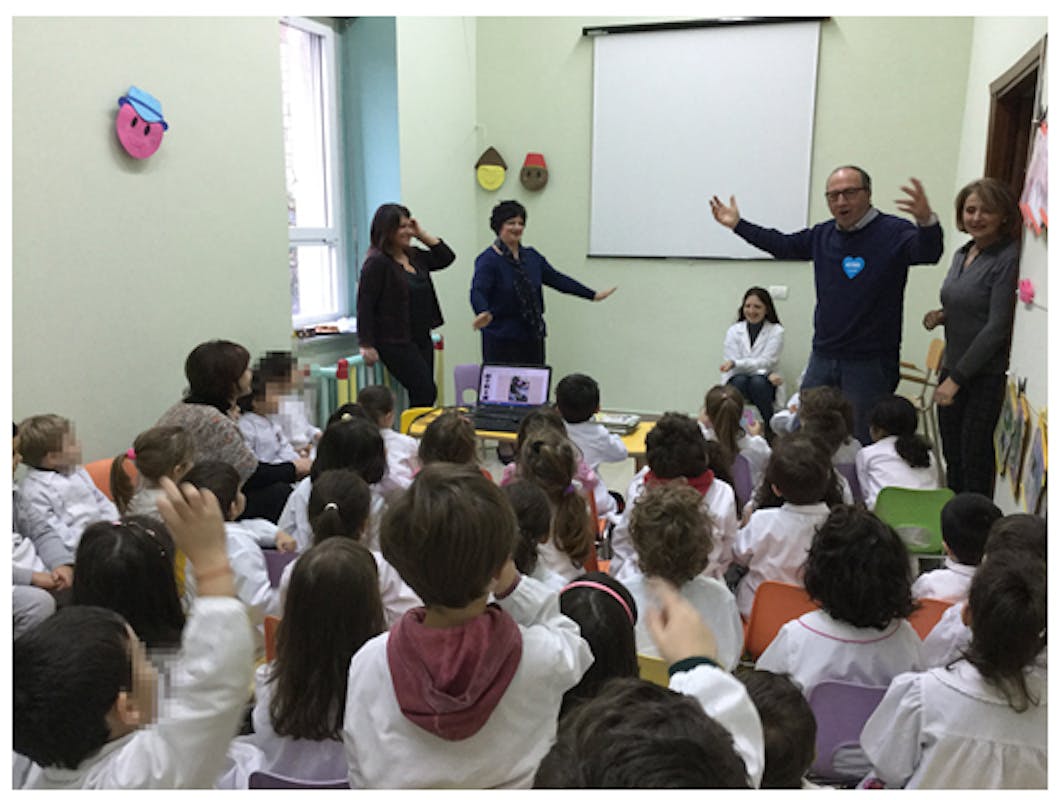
<point>775,603</point>
<point>849,471</point>
<point>275,561</point>
<point>741,481</point>
<point>272,624</point>
<point>99,472</point>
<point>465,376</point>
<point>929,613</point>
<point>916,514</point>
<point>653,669</point>
<point>410,415</point>
<point>841,710</point>
<point>267,780</point>
<point>936,347</point>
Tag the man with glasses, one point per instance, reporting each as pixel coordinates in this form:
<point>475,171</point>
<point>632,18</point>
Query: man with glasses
<point>861,261</point>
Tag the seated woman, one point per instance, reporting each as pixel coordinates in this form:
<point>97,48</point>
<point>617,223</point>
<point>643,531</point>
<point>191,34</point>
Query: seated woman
<point>218,373</point>
<point>752,352</point>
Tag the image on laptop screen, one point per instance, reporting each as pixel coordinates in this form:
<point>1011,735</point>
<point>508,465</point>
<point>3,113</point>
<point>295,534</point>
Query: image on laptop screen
<point>510,385</point>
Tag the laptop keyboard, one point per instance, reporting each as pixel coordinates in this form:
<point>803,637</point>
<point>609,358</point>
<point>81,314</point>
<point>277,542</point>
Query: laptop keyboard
<point>505,421</point>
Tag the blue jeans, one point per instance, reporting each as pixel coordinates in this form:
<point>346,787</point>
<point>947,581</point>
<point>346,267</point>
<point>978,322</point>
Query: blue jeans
<point>865,381</point>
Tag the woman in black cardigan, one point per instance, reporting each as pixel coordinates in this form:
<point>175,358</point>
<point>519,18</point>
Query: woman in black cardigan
<point>396,304</point>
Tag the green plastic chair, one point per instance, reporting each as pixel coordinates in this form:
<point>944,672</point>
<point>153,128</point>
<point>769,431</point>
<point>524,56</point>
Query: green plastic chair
<point>916,515</point>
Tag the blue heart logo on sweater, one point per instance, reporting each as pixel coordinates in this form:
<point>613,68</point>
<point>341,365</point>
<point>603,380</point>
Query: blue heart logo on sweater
<point>852,266</point>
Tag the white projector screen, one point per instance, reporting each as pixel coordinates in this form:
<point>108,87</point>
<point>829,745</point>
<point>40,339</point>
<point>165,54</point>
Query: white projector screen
<point>680,115</point>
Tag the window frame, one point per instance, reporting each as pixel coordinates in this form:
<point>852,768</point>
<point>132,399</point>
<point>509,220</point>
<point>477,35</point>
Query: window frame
<point>333,235</point>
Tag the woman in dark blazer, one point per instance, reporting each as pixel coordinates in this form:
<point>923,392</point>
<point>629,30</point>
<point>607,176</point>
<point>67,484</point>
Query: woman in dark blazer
<point>396,304</point>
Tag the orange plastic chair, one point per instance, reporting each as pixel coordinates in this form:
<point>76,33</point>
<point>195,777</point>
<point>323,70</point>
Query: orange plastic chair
<point>271,625</point>
<point>929,613</point>
<point>99,472</point>
<point>775,603</point>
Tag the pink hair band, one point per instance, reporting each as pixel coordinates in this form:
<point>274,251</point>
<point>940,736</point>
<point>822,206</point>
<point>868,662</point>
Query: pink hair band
<point>605,589</point>
<point>130,453</point>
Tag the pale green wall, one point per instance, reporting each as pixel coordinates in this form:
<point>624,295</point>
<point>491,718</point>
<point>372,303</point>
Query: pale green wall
<point>997,44</point>
<point>121,267</point>
<point>655,344</point>
<point>437,60</point>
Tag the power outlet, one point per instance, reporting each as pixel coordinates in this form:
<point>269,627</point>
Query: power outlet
<point>779,292</point>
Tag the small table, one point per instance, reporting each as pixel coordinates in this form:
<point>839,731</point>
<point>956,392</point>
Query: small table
<point>634,441</point>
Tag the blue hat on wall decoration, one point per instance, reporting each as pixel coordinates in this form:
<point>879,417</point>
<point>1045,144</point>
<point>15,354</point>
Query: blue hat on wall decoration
<point>146,106</point>
<point>139,123</point>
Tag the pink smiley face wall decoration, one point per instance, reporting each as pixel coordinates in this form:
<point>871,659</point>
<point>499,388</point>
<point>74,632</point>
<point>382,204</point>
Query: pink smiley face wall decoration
<point>139,123</point>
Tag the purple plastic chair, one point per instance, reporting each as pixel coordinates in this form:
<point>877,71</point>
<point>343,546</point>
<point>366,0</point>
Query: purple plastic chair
<point>741,482</point>
<point>275,561</point>
<point>266,780</point>
<point>841,710</point>
<point>465,376</point>
<point>851,474</point>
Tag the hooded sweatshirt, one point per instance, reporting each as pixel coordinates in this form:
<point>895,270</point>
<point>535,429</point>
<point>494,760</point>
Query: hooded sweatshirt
<point>449,680</point>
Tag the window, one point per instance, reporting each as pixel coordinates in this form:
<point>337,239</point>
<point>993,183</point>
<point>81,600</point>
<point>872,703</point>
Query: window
<point>316,252</point>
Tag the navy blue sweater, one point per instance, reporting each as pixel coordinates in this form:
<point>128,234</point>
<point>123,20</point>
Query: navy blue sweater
<point>860,278</point>
<point>493,290</point>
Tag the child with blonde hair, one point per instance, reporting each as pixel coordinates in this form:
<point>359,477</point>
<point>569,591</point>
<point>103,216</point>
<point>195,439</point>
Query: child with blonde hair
<point>56,495</point>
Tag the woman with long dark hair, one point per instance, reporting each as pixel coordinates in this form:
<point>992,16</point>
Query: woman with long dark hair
<point>752,351</point>
<point>397,307</point>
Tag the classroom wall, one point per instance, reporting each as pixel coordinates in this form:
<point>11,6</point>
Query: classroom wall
<point>203,221</point>
<point>655,345</point>
<point>997,44</point>
<point>121,267</point>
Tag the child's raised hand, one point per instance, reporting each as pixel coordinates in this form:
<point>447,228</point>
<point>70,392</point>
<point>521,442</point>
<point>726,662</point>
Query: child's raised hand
<point>285,543</point>
<point>676,627</point>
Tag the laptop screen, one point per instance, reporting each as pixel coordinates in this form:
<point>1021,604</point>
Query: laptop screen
<point>512,385</point>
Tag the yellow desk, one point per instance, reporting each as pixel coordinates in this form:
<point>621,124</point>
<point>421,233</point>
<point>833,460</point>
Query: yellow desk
<point>634,441</point>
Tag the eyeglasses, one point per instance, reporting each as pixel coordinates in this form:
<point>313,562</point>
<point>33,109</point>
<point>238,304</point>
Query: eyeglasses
<point>845,193</point>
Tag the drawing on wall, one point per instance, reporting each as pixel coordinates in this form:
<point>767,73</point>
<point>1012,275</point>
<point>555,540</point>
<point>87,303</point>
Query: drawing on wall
<point>139,123</point>
<point>534,174</point>
<point>1006,426</point>
<point>1035,482</point>
<point>490,170</point>
<point>1018,446</point>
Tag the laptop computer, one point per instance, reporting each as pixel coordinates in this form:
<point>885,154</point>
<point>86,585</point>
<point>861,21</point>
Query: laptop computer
<point>507,393</point>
